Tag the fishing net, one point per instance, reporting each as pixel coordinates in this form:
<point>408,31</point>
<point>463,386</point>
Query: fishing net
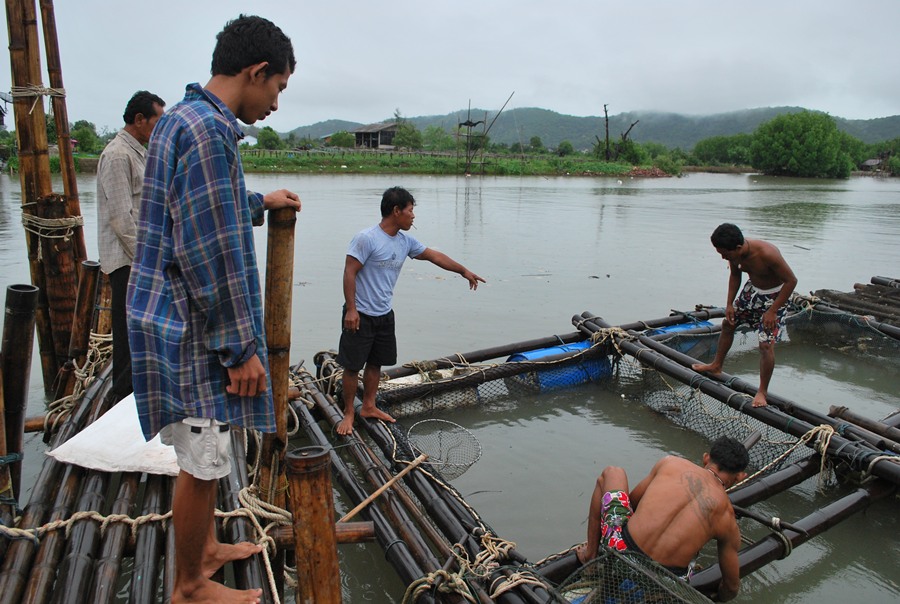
<point>451,449</point>
<point>626,578</point>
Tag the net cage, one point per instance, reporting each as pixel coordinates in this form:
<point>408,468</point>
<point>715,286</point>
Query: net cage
<point>626,578</point>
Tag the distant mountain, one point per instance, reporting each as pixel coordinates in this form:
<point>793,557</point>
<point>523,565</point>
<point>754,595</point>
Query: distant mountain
<point>673,130</point>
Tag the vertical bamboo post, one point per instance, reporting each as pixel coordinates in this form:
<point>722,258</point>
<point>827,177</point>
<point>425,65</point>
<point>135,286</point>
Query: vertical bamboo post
<point>18,341</point>
<point>34,160</point>
<point>318,573</point>
<point>279,287</point>
<point>61,115</point>
<point>80,337</point>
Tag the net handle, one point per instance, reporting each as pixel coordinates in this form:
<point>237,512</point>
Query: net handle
<point>384,487</point>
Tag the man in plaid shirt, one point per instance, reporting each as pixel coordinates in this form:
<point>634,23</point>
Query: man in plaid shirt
<point>195,315</point>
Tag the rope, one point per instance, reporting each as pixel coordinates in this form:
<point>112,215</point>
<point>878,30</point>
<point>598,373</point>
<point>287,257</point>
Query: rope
<point>449,583</point>
<point>37,92</point>
<point>99,352</point>
<point>822,434</point>
<point>47,228</point>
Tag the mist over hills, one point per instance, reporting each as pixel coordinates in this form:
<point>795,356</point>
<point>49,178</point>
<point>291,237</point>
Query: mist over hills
<point>673,130</point>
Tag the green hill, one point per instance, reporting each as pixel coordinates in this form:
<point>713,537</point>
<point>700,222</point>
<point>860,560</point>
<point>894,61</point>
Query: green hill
<point>670,129</point>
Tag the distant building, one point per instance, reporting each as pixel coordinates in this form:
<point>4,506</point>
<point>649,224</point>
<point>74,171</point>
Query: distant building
<point>376,136</point>
<point>871,165</point>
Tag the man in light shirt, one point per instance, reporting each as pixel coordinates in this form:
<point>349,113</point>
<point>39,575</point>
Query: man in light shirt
<point>120,178</point>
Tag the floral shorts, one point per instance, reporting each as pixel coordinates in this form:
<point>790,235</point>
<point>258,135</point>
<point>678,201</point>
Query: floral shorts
<point>615,510</point>
<point>749,307</point>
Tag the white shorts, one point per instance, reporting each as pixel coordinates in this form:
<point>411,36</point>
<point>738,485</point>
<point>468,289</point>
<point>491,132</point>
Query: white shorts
<point>202,446</point>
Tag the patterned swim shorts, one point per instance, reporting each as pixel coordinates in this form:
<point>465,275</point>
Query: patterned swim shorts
<point>615,511</point>
<point>749,307</point>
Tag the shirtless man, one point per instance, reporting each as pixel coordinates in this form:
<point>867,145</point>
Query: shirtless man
<point>672,512</point>
<point>761,303</point>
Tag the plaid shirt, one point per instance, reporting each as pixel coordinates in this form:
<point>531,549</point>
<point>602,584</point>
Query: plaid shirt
<point>195,306</point>
<point>120,176</point>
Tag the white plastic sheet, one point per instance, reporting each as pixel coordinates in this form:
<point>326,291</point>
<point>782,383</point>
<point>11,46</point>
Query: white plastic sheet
<point>115,443</point>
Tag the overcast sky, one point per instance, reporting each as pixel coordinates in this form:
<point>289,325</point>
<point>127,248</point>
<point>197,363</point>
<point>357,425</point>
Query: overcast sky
<point>360,60</point>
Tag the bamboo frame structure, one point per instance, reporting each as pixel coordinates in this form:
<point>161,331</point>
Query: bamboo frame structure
<point>52,258</point>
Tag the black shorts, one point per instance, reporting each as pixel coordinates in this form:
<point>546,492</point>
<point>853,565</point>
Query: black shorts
<point>375,343</point>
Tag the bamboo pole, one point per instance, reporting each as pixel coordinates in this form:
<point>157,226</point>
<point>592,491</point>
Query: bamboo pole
<point>149,543</point>
<point>249,573</point>
<point>169,561</point>
<point>18,342</point>
<point>34,582</point>
<point>886,281</point>
<point>345,532</point>
<point>857,455</point>
<point>34,161</point>
<point>880,428</point>
<point>109,562</point>
<point>79,340</point>
<point>278,296</point>
<point>362,504</point>
<point>774,547</point>
<point>318,573</point>
<point>49,484</point>
<point>74,571</point>
<point>61,116</point>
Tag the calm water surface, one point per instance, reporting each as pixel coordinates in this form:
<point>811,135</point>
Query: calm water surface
<point>626,250</point>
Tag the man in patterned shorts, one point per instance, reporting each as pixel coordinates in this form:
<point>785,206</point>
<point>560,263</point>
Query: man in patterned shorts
<point>761,303</point>
<point>672,512</point>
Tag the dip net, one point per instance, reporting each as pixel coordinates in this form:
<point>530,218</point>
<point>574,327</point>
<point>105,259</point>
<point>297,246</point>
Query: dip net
<point>626,578</point>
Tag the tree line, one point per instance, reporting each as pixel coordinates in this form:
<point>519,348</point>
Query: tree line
<point>804,144</point>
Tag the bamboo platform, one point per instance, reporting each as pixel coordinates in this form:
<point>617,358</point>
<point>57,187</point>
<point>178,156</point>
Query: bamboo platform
<point>880,299</point>
<point>89,536</point>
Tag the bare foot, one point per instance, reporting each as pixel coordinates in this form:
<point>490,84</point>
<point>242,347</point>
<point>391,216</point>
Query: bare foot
<point>760,400</point>
<point>346,426</point>
<point>584,555</point>
<point>210,592</point>
<point>224,553</point>
<point>376,413</point>
<point>706,368</point>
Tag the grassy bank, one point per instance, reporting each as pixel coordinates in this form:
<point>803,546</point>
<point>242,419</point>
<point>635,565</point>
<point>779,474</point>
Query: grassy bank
<point>354,162</point>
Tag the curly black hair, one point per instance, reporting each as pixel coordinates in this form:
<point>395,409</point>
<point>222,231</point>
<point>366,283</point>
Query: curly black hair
<point>249,40</point>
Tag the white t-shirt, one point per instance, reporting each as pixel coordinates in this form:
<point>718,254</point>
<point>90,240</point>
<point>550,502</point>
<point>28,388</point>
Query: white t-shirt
<point>382,257</point>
